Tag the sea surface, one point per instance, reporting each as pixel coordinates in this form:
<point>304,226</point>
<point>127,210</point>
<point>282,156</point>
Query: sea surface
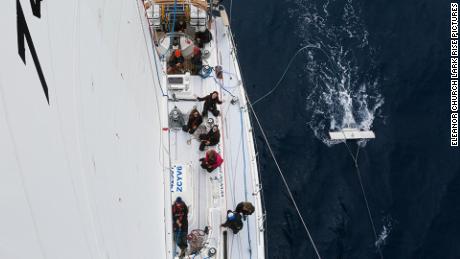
<point>373,64</point>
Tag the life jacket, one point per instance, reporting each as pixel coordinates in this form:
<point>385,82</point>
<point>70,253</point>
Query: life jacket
<point>235,224</point>
<point>179,211</point>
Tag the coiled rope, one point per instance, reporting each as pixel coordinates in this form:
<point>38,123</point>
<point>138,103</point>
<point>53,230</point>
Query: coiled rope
<point>284,179</point>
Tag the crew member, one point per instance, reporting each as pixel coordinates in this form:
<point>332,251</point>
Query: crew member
<point>245,208</point>
<point>194,120</point>
<point>210,104</point>
<point>180,224</point>
<point>176,62</point>
<point>211,161</point>
<point>211,138</point>
<point>233,222</point>
<point>203,37</point>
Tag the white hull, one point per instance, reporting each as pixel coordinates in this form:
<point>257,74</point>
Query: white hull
<point>87,174</point>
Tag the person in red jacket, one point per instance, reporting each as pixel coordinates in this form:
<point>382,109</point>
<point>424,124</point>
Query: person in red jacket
<point>180,223</point>
<point>211,161</point>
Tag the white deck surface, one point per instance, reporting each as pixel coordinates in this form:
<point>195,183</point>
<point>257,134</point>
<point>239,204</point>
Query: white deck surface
<point>236,180</point>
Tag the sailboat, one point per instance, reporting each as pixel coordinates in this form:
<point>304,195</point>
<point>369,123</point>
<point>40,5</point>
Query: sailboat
<point>95,148</point>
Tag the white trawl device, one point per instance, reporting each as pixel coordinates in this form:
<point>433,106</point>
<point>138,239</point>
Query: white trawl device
<point>351,133</point>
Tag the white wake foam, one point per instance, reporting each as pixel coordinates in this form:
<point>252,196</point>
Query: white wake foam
<point>385,233</point>
<point>343,89</point>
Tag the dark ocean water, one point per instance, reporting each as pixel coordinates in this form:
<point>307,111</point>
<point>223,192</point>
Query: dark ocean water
<point>385,63</point>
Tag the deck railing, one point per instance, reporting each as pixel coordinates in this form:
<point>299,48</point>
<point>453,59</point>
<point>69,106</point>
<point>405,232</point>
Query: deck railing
<point>255,165</point>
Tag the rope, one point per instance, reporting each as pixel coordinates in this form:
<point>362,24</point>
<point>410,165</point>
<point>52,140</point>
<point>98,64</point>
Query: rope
<point>231,7</point>
<point>245,180</point>
<point>223,88</point>
<point>174,16</point>
<point>284,180</point>
<point>154,51</point>
<point>358,172</point>
<point>288,66</point>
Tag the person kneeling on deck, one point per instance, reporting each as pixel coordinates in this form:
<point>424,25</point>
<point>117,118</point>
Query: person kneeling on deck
<point>211,161</point>
<point>194,120</point>
<point>233,222</point>
<point>210,103</point>
<point>245,208</point>
<point>180,224</point>
<point>211,138</point>
<point>176,62</point>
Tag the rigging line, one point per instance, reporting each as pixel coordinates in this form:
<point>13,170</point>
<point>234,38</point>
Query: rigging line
<point>174,16</point>
<point>199,196</point>
<point>284,179</point>
<point>231,165</point>
<point>309,46</point>
<point>231,8</point>
<point>223,88</point>
<point>234,166</point>
<point>244,156</point>
<point>231,246</point>
<point>163,148</point>
<point>153,52</point>
<point>358,172</point>
<point>244,178</point>
<point>240,244</point>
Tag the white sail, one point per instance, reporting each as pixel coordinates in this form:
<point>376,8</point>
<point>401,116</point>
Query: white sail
<point>79,177</point>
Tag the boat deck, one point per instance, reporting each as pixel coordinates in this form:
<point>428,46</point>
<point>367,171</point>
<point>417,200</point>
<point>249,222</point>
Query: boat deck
<point>210,195</point>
